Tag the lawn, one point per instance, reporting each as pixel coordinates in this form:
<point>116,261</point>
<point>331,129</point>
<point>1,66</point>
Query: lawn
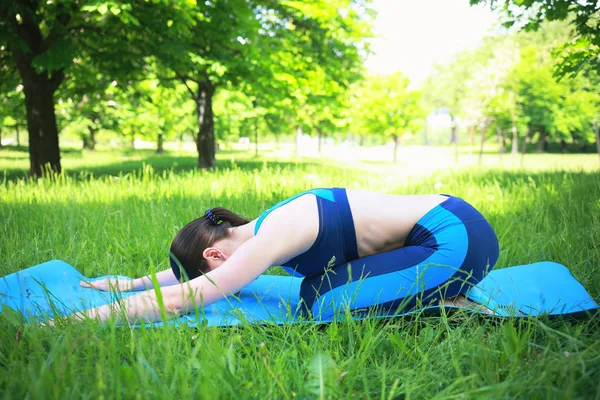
<point>117,213</point>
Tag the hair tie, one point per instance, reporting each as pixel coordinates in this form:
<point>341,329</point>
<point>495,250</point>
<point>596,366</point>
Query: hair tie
<point>212,217</point>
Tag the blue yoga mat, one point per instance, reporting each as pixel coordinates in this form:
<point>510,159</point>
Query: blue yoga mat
<point>528,290</point>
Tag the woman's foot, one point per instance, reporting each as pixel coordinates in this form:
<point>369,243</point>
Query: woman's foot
<point>462,302</point>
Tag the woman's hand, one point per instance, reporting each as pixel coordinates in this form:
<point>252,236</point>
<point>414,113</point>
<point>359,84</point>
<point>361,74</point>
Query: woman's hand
<point>109,285</point>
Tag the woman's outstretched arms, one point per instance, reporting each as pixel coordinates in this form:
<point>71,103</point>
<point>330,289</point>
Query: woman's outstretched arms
<point>164,278</point>
<point>284,235</point>
<point>245,264</point>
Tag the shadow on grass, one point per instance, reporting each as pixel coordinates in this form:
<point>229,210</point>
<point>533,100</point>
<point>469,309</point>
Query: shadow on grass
<point>25,150</point>
<point>159,163</point>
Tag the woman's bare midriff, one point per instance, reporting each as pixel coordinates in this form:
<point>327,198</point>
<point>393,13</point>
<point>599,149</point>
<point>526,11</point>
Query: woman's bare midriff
<point>383,221</point>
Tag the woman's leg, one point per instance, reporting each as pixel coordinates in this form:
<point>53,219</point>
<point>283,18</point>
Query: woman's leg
<point>449,250</point>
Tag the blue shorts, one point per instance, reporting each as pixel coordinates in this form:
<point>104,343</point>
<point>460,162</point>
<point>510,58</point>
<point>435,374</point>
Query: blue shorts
<point>449,250</point>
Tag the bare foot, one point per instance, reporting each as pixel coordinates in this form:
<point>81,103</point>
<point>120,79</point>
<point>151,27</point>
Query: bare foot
<point>462,302</point>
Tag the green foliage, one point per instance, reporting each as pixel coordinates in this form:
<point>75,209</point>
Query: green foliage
<point>508,82</point>
<point>386,107</point>
<point>12,109</point>
<point>234,115</point>
<point>312,53</point>
<point>274,52</point>
<point>572,56</point>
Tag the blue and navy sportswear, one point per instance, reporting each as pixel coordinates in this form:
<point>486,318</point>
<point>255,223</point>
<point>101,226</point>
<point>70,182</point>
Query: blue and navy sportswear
<point>450,249</point>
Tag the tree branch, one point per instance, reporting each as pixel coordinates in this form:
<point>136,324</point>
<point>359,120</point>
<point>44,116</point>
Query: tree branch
<point>28,31</point>
<point>62,20</point>
<point>173,78</point>
<point>184,79</point>
<point>56,79</point>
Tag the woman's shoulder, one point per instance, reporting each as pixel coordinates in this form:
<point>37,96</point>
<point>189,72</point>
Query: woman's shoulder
<point>296,224</point>
<point>297,202</point>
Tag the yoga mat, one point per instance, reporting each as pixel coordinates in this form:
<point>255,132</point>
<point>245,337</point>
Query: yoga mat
<point>528,290</point>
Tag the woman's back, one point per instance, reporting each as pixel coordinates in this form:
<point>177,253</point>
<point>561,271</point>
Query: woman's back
<point>341,226</point>
<point>383,221</point>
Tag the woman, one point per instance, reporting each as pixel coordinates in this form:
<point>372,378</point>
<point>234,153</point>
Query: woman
<point>369,249</point>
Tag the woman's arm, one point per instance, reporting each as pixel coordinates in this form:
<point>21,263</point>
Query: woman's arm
<point>164,278</point>
<point>282,236</point>
<point>245,264</point>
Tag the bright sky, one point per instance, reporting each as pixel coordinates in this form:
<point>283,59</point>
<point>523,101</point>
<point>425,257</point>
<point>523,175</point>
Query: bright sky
<point>416,34</point>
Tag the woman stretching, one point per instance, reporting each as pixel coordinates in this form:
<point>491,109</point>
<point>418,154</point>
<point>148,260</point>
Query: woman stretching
<point>356,248</point>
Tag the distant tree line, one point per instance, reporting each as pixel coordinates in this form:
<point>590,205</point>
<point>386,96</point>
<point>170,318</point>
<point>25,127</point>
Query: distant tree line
<point>509,88</point>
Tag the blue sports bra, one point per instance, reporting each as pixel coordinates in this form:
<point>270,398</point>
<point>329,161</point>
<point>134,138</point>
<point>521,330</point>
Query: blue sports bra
<point>336,241</point>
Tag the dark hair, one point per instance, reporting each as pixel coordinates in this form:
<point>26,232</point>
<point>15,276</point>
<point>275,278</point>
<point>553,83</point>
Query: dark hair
<point>189,243</point>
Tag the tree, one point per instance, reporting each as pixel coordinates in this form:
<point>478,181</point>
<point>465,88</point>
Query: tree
<point>577,110</point>
<point>488,93</point>
<point>235,42</point>
<point>50,42</point>
<point>386,107</point>
<point>445,88</point>
<point>169,111</point>
<point>87,110</point>
<point>508,82</point>
<point>12,112</point>
<point>584,15</point>
<point>234,113</point>
<point>312,65</point>
<point>26,40</point>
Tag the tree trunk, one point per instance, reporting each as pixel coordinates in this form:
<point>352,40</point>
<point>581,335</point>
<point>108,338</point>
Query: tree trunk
<point>1,138</point>
<point>597,136</point>
<point>160,143</point>
<point>255,105</point>
<point>500,137</point>
<point>563,146</point>
<point>133,140</point>
<point>396,146</point>
<point>524,146</point>
<point>90,144</point>
<point>298,137</point>
<point>18,135</point>
<point>453,138</point>
<point>471,138</point>
<point>44,151</point>
<point>255,137</point>
<point>39,88</point>
<point>515,138</point>
<point>483,133</point>
<point>205,142</point>
<point>542,144</point>
<point>320,133</point>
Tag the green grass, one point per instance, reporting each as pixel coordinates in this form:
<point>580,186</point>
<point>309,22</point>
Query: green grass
<point>104,221</point>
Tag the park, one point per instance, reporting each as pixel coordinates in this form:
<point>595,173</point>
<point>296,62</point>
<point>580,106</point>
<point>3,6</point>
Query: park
<point>121,122</point>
